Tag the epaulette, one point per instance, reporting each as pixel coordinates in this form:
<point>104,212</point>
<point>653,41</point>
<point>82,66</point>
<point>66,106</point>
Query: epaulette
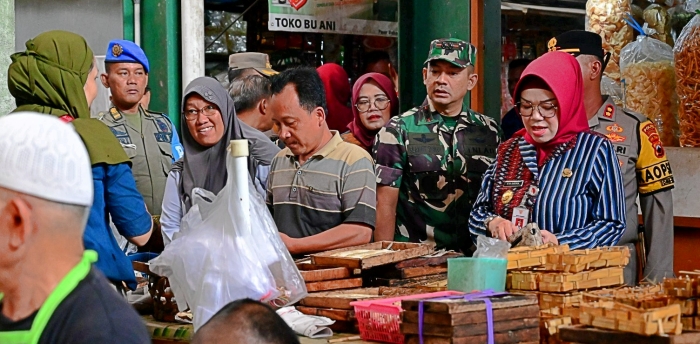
<point>635,115</point>
<point>409,112</point>
<point>116,115</point>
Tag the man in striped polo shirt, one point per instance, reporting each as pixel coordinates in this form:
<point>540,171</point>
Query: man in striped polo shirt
<point>321,190</point>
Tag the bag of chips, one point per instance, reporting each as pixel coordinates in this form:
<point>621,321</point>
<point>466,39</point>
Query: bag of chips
<point>648,82</point>
<point>687,58</point>
<point>605,17</point>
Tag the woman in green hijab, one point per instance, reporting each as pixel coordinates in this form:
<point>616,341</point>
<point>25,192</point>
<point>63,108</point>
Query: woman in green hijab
<point>56,76</point>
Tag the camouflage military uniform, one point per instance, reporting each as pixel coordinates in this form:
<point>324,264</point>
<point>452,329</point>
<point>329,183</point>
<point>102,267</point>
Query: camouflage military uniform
<point>437,170</point>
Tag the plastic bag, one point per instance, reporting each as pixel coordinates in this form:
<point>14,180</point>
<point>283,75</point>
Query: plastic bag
<point>611,88</point>
<point>649,85</point>
<point>605,17</point>
<point>491,248</point>
<point>215,259</point>
<point>687,59</point>
<point>658,19</point>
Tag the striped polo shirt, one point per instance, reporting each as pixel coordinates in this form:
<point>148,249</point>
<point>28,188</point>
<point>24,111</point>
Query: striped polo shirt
<point>334,186</point>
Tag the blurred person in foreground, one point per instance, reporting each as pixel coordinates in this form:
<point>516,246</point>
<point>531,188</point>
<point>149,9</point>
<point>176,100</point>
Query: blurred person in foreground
<point>49,290</point>
<point>374,103</point>
<point>246,322</point>
<point>321,190</point>
<point>646,171</point>
<point>57,76</point>
<point>555,172</point>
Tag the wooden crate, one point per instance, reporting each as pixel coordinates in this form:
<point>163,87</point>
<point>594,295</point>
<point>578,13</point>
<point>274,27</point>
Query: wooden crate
<point>315,273</point>
<point>340,299</point>
<point>564,282</point>
<point>588,335</point>
<point>467,318</point>
<point>581,260</point>
<point>620,317</point>
<point>348,283</point>
<point>525,280</point>
<point>681,287</point>
<point>405,283</point>
<point>645,297</point>
<point>525,257</point>
<point>333,314</point>
<point>371,255</point>
<point>548,300</point>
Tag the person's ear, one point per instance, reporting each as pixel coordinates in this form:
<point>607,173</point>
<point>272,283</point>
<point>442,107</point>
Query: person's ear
<point>425,75</point>
<point>104,77</point>
<point>473,79</point>
<point>19,224</point>
<point>320,115</point>
<point>262,107</point>
<point>596,69</point>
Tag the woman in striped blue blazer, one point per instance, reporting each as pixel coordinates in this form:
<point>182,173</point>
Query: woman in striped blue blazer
<point>555,172</point>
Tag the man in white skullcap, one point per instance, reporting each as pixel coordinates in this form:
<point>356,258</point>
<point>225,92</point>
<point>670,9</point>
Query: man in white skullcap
<point>52,293</point>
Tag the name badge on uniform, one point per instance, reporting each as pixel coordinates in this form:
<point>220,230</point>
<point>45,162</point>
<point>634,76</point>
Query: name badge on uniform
<point>521,215</point>
<point>513,183</point>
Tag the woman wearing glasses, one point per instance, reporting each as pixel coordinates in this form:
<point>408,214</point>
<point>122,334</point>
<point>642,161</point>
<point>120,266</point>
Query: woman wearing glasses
<point>555,172</point>
<point>374,102</point>
<point>211,120</point>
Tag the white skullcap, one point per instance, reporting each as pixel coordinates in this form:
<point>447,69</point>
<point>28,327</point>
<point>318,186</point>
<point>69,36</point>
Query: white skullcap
<point>44,157</point>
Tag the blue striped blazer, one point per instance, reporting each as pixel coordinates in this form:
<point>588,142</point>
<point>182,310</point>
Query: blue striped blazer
<point>584,208</point>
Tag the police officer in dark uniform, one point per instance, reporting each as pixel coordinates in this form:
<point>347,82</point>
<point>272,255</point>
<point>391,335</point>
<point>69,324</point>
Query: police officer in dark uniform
<point>148,137</point>
<point>645,169</point>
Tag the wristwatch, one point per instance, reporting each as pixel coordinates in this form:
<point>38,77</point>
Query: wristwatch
<point>488,220</point>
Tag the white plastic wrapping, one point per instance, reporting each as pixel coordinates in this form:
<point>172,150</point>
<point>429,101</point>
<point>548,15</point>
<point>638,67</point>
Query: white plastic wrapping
<point>215,259</point>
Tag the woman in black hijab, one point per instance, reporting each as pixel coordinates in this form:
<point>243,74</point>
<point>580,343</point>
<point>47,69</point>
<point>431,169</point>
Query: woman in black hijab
<point>211,123</point>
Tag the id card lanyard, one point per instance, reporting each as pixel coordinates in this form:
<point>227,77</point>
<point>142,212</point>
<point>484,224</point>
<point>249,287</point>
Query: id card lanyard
<point>521,214</point>
<point>63,289</point>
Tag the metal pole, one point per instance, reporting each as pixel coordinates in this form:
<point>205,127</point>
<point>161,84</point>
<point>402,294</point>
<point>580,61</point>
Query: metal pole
<point>137,22</point>
<point>160,41</point>
<point>192,22</point>
<point>128,19</point>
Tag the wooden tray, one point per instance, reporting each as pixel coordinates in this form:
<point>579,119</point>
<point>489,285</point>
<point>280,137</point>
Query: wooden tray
<point>406,283</point>
<point>404,273</point>
<point>620,317</point>
<point>523,336</point>
<point>682,287</point>
<point>446,319</point>
<point>452,306</point>
<point>347,283</point>
<point>315,273</point>
<point>395,252</point>
<point>471,329</point>
<point>340,299</point>
<point>548,301</point>
<point>333,314</point>
<point>525,280</point>
<point>525,257</point>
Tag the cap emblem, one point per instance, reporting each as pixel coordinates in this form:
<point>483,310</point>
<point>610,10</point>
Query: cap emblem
<point>117,50</point>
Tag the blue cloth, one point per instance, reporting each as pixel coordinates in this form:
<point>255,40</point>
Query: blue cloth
<point>178,150</point>
<point>585,209</point>
<point>511,123</point>
<point>115,195</point>
<point>120,50</point>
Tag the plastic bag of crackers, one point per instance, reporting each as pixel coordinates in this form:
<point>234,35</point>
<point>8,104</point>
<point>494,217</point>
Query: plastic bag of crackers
<point>605,17</point>
<point>648,80</point>
<point>687,58</point>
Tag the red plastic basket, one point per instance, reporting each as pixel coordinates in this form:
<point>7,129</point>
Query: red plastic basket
<point>379,319</point>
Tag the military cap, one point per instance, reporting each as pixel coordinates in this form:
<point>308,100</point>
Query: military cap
<point>452,50</point>
<point>579,42</point>
<point>258,61</point>
<point>124,51</point>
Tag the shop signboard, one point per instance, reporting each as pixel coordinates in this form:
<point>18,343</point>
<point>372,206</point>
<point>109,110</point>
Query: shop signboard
<point>354,17</point>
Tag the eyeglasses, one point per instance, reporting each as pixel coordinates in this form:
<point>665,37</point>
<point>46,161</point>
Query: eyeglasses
<point>546,109</point>
<point>192,114</point>
<point>380,103</point>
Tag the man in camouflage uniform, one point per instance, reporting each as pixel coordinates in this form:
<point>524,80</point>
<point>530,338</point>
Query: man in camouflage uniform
<point>430,160</point>
<point>148,138</point>
<point>645,170</point>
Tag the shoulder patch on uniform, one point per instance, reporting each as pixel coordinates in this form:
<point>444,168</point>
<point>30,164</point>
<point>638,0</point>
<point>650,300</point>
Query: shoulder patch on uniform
<point>115,113</point>
<point>409,112</point>
<point>609,111</point>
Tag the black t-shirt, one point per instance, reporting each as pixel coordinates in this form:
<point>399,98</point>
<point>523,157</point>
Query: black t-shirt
<point>92,313</point>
